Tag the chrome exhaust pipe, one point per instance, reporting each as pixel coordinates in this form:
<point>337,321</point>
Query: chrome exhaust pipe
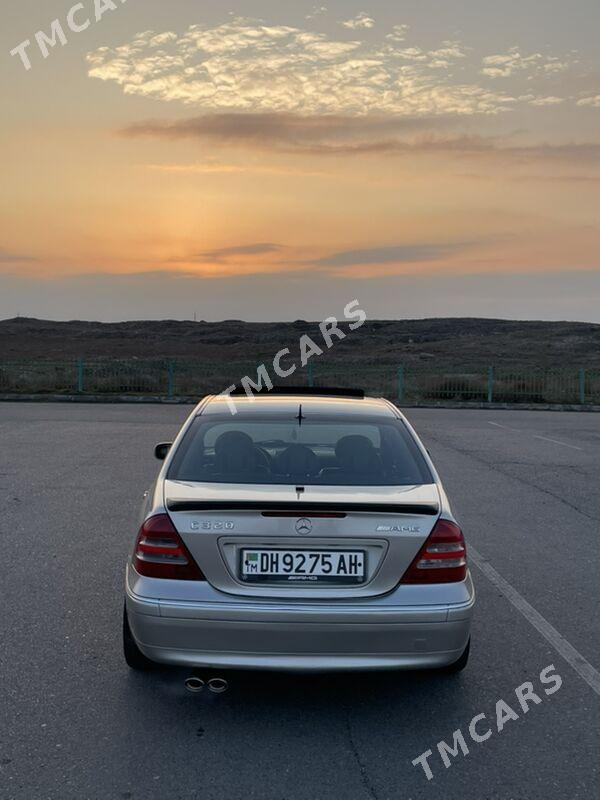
<point>218,685</point>
<point>194,684</point>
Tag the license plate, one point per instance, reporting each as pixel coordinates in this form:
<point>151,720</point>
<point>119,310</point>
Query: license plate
<point>303,566</point>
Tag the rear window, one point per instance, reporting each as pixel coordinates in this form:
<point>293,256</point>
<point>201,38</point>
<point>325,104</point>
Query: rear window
<point>323,452</point>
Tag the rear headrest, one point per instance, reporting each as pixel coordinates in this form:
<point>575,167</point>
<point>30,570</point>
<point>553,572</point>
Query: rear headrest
<point>233,440</point>
<point>298,459</point>
<point>357,453</point>
<point>235,453</point>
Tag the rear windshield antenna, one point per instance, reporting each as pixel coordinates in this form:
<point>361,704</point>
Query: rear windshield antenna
<point>300,417</point>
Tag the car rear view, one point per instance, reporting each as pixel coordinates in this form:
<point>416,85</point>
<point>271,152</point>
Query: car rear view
<point>302,532</point>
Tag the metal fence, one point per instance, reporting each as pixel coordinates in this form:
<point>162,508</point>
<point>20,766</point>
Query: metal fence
<point>405,384</point>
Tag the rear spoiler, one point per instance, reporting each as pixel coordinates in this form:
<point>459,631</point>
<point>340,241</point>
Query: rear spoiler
<point>305,509</point>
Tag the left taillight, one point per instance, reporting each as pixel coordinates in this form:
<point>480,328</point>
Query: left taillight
<point>161,553</point>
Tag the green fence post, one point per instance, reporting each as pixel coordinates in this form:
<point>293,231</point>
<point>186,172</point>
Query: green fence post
<point>80,381</point>
<point>490,385</point>
<point>582,386</point>
<point>400,384</point>
<point>311,375</point>
<point>171,380</point>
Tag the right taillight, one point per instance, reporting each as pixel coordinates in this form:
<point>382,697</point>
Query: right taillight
<point>443,557</point>
<point>161,553</point>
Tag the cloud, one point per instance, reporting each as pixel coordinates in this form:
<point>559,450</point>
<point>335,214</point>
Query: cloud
<point>245,259</point>
<point>362,20</point>
<point>317,11</point>
<point>591,179</point>
<point>286,131</point>
<point>584,152</point>
<point>245,65</point>
<point>441,58</point>
<point>226,253</point>
<point>340,136</point>
<point>396,254</point>
<point>506,64</point>
<point>590,101</point>
<point>399,33</point>
<point>7,257</point>
<point>216,167</point>
<point>315,135</point>
<point>547,101</point>
<point>261,258</point>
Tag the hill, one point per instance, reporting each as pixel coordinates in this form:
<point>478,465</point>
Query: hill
<point>464,342</point>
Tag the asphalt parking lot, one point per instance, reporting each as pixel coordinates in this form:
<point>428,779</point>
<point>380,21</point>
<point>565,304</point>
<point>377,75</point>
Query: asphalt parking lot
<point>77,724</point>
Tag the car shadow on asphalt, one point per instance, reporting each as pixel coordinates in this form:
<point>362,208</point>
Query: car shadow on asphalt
<point>302,691</point>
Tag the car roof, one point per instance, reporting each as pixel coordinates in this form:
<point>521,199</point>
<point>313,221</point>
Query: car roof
<point>289,404</point>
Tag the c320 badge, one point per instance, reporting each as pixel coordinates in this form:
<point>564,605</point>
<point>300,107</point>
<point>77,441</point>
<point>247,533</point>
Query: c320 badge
<point>209,525</point>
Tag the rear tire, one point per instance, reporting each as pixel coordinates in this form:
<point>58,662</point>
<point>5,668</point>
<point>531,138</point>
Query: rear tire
<point>133,655</point>
<point>462,662</point>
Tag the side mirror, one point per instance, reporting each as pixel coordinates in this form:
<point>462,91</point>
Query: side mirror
<point>161,450</point>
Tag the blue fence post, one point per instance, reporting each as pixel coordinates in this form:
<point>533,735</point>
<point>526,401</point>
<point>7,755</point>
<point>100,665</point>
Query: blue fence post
<point>400,378</point>
<point>311,375</point>
<point>171,380</point>
<point>490,384</point>
<point>80,380</point>
<point>582,386</point>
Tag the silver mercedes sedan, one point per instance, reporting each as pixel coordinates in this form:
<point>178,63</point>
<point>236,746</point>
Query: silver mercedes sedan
<point>305,531</point>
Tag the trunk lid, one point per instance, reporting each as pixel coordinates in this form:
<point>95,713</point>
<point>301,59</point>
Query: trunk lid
<point>389,524</point>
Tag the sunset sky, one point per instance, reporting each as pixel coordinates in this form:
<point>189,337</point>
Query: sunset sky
<point>273,160</point>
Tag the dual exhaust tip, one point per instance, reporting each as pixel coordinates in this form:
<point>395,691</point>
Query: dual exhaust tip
<point>216,685</point>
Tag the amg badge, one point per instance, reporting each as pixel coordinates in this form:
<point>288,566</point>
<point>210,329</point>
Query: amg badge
<point>398,529</point>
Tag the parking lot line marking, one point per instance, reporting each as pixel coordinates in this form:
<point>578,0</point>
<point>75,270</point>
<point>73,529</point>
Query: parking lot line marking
<point>535,436</point>
<point>564,648</point>
<point>504,427</point>
<point>555,441</point>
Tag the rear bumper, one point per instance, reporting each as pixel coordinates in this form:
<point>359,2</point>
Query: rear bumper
<point>236,633</point>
